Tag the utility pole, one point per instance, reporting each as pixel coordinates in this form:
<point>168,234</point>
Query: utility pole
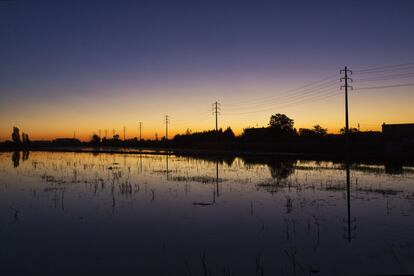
<point>124,132</point>
<point>106,133</point>
<point>140,129</point>
<point>166,127</point>
<point>216,111</point>
<point>99,131</point>
<point>346,86</point>
<point>113,133</point>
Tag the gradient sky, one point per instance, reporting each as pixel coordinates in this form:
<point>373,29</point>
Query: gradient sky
<point>88,65</point>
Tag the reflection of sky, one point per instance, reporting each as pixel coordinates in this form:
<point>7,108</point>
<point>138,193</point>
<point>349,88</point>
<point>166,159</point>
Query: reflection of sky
<point>61,202</point>
<point>84,66</point>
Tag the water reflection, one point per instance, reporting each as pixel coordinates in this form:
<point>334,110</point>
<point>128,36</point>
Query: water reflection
<point>351,226</point>
<point>281,169</point>
<point>16,159</point>
<point>393,167</point>
<point>174,215</point>
<point>25,155</point>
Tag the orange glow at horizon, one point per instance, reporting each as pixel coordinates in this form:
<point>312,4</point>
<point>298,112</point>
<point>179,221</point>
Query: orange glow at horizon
<point>192,110</point>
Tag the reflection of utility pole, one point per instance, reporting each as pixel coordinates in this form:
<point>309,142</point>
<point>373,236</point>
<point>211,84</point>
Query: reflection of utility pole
<point>140,163</point>
<point>166,127</point>
<point>217,178</point>
<point>351,227</point>
<point>166,160</point>
<point>140,129</point>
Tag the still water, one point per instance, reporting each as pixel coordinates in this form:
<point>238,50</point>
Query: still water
<point>141,214</point>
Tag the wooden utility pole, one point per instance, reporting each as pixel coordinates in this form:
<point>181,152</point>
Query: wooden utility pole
<point>166,127</point>
<point>346,86</point>
<point>216,111</point>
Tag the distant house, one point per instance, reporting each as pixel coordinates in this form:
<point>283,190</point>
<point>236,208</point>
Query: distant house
<point>398,132</point>
<point>262,131</point>
<point>66,141</point>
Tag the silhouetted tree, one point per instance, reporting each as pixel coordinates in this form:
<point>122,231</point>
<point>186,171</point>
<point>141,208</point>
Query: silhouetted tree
<point>16,135</point>
<point>350,130</point>
<point>306,132</point>
<point>320,131</point>
<point>228,133</point>
<point>281,122</point>
<point>316,131</point>
<point>96,139</point>
<point>25,138</point>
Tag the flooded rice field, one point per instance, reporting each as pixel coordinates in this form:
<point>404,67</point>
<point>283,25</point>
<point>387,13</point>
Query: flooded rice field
<point>83,213</point>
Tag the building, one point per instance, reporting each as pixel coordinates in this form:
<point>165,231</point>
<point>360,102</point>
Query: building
<point>398,132</point>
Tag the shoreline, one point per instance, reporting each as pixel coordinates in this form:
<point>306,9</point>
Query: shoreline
<point>219,153</point>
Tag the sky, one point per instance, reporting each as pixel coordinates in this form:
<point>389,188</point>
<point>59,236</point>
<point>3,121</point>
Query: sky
<point>77,67</point>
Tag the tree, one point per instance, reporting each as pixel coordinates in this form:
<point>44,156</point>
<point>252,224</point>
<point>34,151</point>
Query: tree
<point>282,123</point>
<point>228,133</point>
<point>96,139</point>
<point>320,131</point>
<point>306,132</point>
<point>350,130</point>
<point>25,138</point>
<point>16,135</point>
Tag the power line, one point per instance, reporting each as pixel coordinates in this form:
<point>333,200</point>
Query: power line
<point>324,96</point>
<point>384,67</point>
<point>386,70</point>
<point>308,85</point>
<point>385,86</point>
<point>306,93</point>
<point>293,100</point>
<point>386,77</point>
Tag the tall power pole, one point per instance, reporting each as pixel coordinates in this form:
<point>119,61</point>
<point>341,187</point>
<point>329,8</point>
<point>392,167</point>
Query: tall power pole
<point>140,129</point>
<point>166,127</point>
<point>216,111</point>
<point>346,86</point>
<point>124,133</point>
